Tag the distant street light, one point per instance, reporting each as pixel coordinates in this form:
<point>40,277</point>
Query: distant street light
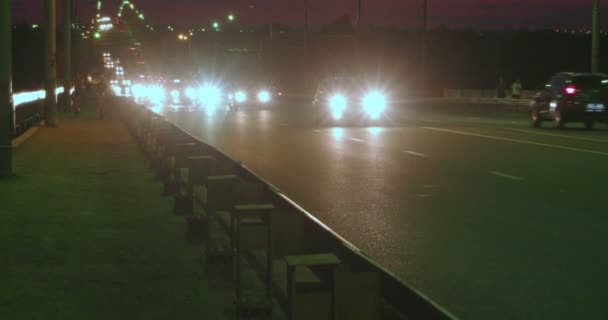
<point>231,17</point>
<point>216,25</point>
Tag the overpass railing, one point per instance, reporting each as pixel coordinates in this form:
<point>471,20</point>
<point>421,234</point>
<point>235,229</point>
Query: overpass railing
<point>29,109</point>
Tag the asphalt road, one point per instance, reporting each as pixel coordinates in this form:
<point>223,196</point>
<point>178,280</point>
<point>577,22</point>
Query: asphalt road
<point>488,217</point>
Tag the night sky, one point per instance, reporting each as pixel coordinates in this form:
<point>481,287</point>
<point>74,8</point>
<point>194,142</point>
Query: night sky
<point>480,14</point>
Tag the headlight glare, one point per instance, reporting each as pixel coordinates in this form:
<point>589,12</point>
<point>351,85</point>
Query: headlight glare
<point>337,105</point>
<point>190,93</point>
<point>374,104</point>
<point>210,95</point>
<point>240,96</point>
<point>264,96</point>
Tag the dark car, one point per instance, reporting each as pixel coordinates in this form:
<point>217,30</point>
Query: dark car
<point>347,100</point>
<point>572,97</point>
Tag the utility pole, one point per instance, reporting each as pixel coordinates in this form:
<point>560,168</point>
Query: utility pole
<point>50,65</point>
<point>6,88</point>
<point>67,54</point>
<point>595,38</point>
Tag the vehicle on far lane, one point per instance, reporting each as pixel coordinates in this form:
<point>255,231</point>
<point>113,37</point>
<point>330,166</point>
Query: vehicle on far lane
<point>247,95</point>
<point>572,97</point>
<point>181,92</point>
<point>348,101</point>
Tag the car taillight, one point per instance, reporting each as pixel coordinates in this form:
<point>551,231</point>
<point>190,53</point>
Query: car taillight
<point>570,90</point>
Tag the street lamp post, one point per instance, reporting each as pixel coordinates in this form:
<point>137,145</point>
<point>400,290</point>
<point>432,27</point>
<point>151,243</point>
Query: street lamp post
<point>595,37</point>
<point>50,102</point>
<point>6,94</point>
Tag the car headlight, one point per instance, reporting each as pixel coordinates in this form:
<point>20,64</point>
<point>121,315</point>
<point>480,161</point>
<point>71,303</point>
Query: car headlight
<point>156,94</point>
<point>374,104</point>
<point>175,94</point>
<point>139,91</point>
<point>210,95</point>
<point>264,96</point>
<point>337,105</point>
<point>240,96</point>
<point>190,93</point>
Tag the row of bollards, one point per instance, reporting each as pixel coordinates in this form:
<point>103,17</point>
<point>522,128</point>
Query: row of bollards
<point>217,196</point>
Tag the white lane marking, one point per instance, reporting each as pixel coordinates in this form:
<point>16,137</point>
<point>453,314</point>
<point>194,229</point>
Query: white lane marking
<point>554,146</point>
<point>317,130</point>
<point>357,140</point>
<point>424,195</point>
<point>416,154</point>
<point>284,125</point>
<point>557,135</point>
<point>504,175</point>
<point>429,186</point>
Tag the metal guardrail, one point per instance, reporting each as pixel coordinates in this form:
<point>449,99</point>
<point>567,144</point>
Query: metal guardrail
<point>29,109</point>
<point>28,115</point>
<point>298,232</point>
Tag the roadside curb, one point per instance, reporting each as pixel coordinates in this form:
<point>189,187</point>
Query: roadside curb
<point>17,142</point>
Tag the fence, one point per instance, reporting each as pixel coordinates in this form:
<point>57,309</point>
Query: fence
<point>300,261</point>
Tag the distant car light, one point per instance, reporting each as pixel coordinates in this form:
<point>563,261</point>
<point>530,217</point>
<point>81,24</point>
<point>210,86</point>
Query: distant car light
<point>337,105</point>
<point>240,96</point>
<point>190,93</point>
<point>570,90</point>
<point>264,96</point>
<point>210,95</point>
<point>156,94</point>
<point>374,104</point>
<point>175,94</point>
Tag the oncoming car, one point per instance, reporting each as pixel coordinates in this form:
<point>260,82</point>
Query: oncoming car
<point>244,96</point>
<point>572,97</point>
<point>346,100</point>
<point>181,92</point>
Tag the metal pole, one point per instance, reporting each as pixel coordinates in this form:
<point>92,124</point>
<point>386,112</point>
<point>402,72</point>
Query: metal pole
<point>6,88</point>
<point>424,39</point>
<point>50,103</point>
<point>67,55</point>
<point>595,38</point>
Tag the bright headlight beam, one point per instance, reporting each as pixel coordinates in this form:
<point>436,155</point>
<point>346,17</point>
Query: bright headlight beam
<point>175,94</point>
<point>190,93</point>
<point>337,105</point>
<point>374,104</point>
<point>264,96</point>
<point>240,96</point>
<point>210,95</point>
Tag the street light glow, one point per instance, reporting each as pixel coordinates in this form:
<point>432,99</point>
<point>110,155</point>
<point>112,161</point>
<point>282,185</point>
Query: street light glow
<point>231,17</point>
